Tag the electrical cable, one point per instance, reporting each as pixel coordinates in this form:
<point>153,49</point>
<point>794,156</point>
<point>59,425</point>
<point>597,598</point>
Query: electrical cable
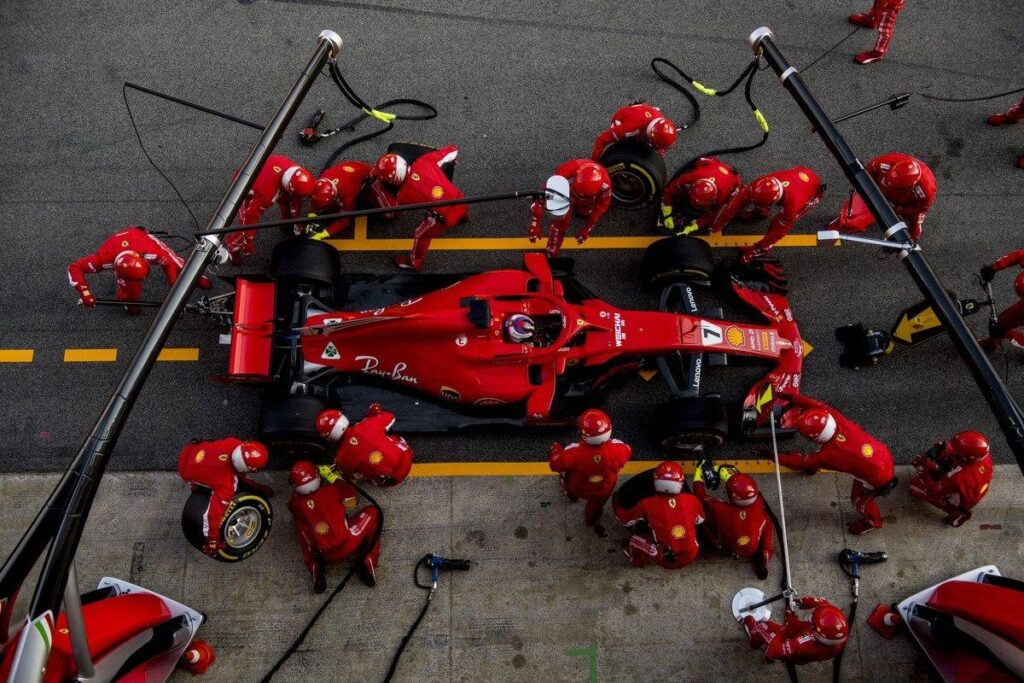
<point>982,98</point>
<point>832,49</point>
<point>415,624</point>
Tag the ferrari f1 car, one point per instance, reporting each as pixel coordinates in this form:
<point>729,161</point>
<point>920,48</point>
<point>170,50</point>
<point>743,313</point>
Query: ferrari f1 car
<point>517,347</point>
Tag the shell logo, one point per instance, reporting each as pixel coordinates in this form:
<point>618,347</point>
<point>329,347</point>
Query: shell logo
<point>321,528</point>
<point>678,531</point>
<point>724,169</point>
<point>595,479</point>
<point>200,455</point>
<point>437,192</point>
<point>743,540</point>
<point>734,336</point>
<point>376,457</point>
<point>866,450</point>
<point>348,169</point>
<point>983,489</point>
<point>804,177</point>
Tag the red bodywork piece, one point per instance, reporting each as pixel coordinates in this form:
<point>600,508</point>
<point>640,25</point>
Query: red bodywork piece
<point>252,331</point>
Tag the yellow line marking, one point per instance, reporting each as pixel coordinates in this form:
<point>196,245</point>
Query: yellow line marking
<point>16,355</point>
<point>90,355</point>
<point>541,469</point>
<point>360,242</point>
<point>178,354</point>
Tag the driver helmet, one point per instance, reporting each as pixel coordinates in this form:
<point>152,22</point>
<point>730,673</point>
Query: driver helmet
<point>816,424</point>
<point>595,427</point>
<point>668,478</point>
<point>331,424</point>
<point>131,266</point>
<point>519,328</point>
<point>249,456</point>
<point>304,477</point>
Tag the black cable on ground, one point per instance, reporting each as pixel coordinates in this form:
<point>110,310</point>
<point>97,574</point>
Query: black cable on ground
<point>430,113</point>
<point>415,624</point>
<point>832,49</point>
<point>678,86</point>
<point>982,98</point>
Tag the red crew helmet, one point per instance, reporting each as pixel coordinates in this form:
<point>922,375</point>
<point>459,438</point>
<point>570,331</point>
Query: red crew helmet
<point>390,169</point>
<point>969,446</point>
<point>304,477</point>
<point>903,175</point>
<point>250,456</point>
<point>661,134</point>
<point>325,195</point>
<point>766,191</point>
<point>703,193</point>
<point>297,181</point>
<point>590,181</point>
<point>817,424</point>
<point>595,427</point>
<point>829,625</point>
<point>331,424</point>
<point>668,478</point>
<point>741,489</point>
<point>129,265</point>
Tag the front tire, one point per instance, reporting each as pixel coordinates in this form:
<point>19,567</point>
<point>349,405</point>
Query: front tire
<point>686,424</point>
<point>678,259</point>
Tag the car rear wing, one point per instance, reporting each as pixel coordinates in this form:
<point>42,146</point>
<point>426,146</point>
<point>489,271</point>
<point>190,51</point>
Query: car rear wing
<point>252,331</point>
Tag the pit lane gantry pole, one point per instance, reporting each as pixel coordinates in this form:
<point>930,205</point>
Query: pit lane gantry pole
<point>62,519</point>
<point>1006,410</point>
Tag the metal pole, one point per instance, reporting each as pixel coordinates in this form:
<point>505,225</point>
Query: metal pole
<point>782,513</point>
<point>1002,404</point>
<point>89,465</point>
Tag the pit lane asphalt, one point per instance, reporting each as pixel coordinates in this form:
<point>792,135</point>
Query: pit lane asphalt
<point>520,87</point>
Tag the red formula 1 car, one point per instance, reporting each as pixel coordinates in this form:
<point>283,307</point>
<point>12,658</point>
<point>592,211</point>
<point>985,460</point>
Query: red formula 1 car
<point>521,347</point>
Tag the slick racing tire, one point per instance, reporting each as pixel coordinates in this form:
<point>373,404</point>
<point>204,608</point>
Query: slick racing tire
<point>637,172</point>
<point>287,425</point>
<point>243,530</point>
<point>301,261</point>
<point>677,259</point>
<point>683,424</point>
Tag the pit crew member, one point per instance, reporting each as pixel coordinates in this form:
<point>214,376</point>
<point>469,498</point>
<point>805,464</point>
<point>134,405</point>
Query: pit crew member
<point>881,16</point>
<point>907,184</point>
<point>705,194</point>
<point>221,466</point>
<point>800,641</point>
<point>325,532</point>
<point>796,190</point>
<point>280,181</point>
<point>1014,114</point>
<point>366,450</point>
<point>421,181</point>
<point>663,525</point>
<point>590,195</point>
<point>345,187</point>
<point>641,122</point>
<point>954,475</point>
<point>845,447</point>
<point>589,468</point>
<point>1012,317</point>
<point>128,253</point>
<point>739,526</point>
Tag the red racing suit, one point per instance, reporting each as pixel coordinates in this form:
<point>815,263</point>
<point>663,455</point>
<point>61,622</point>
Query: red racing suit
<point>881,16</point>
<point>911,206</point>
<point>134,238</point>
<point>801,192</point>
<point>852,451</point>
<point>664,529</point>
<point>629,122</point>
<point>1014,114</point>
<point>425,181</point>
<point>208,464</point>
<point>590,210</point>
<point>266,190</point>
<point>732,194</point>
<point>327,535</point>
<point>743,532</point>
<point>793,640</point>
<point>356,190</point>
<point>1011,317</point>
<point>590,472</point>
<point>367,451</point>
<point>953,487</point>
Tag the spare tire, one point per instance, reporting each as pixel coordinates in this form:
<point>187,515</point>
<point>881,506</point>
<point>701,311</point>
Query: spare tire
<point>301,261</point>
<point>244,528</point>
<point>678,259</point>
<point>638,174</point>
<point>287,425</point>
<point>684,424</point>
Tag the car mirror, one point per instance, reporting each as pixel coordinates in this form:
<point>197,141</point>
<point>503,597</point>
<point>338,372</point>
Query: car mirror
<point>557,200</point>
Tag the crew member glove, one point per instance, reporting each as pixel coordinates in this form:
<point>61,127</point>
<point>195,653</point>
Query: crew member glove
<point>988,273</point>
<point>328,473</point>
<point>698,472</point>
<point>692,227</point>
<point>88,300</point>
<point>725,472</point>
<point>322,235</point>
<point>667,221</point>
<point>583,236</point>
<point>534,231</point>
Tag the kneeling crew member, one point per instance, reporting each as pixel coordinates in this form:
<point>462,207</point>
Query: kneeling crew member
<point>739,527</point>
<point>906,183</point>
<point>590,195</point>
<point>705,194</point>
<point>366,450</point>
<point>796,641</point>
<point>641,122</point>
<point>347,186</point>
<point>796,190</point>
<point>954,475</point>
<point>1010,318</point>
<point>325,532</point>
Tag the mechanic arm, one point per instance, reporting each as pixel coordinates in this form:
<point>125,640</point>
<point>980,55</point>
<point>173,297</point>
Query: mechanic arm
<point>803,401</point>
<point>603,140</point>
<point>255,486</point>
<point>808,462</point>
<point>731,208</point>
<point>917,224</point>
<point>1014,258</point>
<point>76,276</point>
<point>220,500</point>
<point>536,218</point>
<point>384,198</point>
<point>595,215</point>
<point>777,229</point>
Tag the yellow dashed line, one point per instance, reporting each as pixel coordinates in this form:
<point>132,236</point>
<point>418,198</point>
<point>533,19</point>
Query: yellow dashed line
<point>540,469</point>
<point>178,355</point>
<point>359,242</point>
<point>90,355</point>
<point>16,355</point>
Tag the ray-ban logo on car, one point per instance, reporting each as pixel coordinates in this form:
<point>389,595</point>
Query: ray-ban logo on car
<point>371,366</point>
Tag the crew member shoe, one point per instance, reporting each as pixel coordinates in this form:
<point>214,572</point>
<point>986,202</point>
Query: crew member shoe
<point>869,57</point>
<point>861,527</point>
<point>406,262</point>
<point>998,120</point>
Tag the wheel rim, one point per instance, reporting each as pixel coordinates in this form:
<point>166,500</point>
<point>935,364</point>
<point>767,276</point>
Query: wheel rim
<point>242,527</point>
<point>628,188</point>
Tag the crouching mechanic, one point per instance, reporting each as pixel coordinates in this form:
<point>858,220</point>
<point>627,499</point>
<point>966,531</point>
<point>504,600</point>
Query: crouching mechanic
<point>954,475</point>
<point>796,190</point>
<point>845,447</point>
<point>590,195</point>
<point>706,194</point>
<point>1012,317</point>
<point>280,181</point>
<point>739,527</point>
<point>326,534</point>
<point>128,253</point>
<point>799,641</point>
<point>641,122</point>
<point>589,468</point>
<point>365,449</point>
<point>424,180</point>
<point>221,466</point>
<point>664,525</point>
<point>906,183</point>
<point>347,186</point>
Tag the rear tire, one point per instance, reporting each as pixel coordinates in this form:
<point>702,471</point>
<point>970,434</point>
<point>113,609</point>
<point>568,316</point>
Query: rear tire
<point>678,259</point>
<point>243,530</point>
<point>683,424</point>
<point>287,425</point>
<point>301,261</point>
<point>638,174</point>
